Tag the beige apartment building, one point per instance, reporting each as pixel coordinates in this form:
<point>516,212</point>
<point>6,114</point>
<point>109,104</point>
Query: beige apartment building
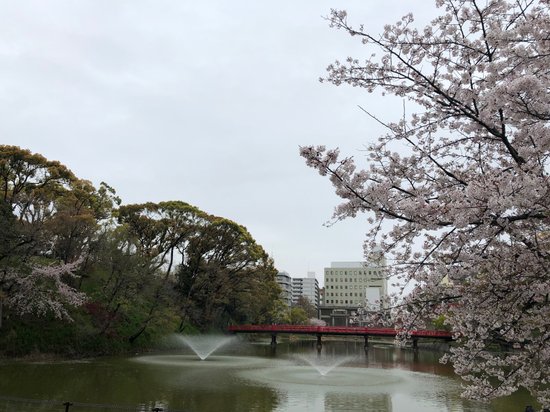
<point>349,285</point>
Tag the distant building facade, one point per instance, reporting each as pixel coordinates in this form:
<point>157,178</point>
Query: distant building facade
<point>285,282</point>
<point>352,284</point>
<point>306,287</point>
<point>349,285</point>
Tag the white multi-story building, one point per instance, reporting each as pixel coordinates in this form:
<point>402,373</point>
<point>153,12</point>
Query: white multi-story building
<point>353,284</point>
<point>285,282</point>
<point>306,287</point>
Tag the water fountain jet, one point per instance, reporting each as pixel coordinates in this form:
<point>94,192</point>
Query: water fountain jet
<point>323,366</point>
<point>205,345</point>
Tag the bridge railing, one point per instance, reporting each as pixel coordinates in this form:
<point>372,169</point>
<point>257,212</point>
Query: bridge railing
<point>336,330</point>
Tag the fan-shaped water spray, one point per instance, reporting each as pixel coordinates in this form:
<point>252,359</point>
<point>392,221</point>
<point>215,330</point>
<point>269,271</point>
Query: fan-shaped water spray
<point>323,365</point>
<point>205,345</point>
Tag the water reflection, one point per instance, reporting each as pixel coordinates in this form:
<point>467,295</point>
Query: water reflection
<point>341,402</point>
<point>351,388</point>
<point>249,377</point>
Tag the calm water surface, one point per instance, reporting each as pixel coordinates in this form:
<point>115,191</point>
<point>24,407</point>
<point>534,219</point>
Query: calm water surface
<point>247,377</point>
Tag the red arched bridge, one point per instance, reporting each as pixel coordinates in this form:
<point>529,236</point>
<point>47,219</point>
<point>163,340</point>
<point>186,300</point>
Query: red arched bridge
<point>319,331</point>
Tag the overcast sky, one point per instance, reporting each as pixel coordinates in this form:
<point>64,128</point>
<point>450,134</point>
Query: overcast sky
<point>201,101</point>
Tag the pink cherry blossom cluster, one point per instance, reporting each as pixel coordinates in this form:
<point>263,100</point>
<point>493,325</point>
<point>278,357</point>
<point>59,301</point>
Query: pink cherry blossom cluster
<point>43,290</point>
<point>458,193</point>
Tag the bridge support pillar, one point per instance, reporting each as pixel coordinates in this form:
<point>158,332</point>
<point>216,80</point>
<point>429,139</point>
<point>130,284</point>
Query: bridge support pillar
<point>366,343</point>
<point>274,339</point>
<point>415,344</point>
<point>319,343</point>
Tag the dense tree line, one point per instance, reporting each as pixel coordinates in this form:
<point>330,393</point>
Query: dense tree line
<point>82,273</point>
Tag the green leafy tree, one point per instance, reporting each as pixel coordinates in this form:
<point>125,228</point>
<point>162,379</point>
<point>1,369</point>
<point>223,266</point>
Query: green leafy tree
<point>30,186</point>
<point>126,281</point>
<point>308,307</point>
<point>33,191</point>
<point>226,277</point>
<point>298,316</point>
<point>280,312</point>
<point>80,212</point>
<point>159,232</point>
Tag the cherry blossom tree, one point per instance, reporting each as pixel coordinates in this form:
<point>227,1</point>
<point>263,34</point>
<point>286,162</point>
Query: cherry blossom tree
<point>42,290</point>
<point>48,219</point>
<point>463,181</point>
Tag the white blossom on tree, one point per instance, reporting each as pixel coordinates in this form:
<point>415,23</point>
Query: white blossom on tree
<point>464,181</point>
<point>43,290</point>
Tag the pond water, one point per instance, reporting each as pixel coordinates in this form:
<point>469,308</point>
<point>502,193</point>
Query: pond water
<point>247,377</point>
